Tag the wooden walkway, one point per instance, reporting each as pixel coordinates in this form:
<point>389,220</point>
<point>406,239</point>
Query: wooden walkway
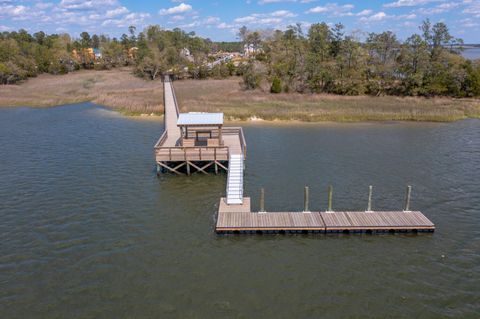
<point>171,114</point>
<point>239,219</point>
<point>168,148</point>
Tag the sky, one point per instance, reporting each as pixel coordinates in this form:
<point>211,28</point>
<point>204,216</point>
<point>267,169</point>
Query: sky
<point>220,20</point>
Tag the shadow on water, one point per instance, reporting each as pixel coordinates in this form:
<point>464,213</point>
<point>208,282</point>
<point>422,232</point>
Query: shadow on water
<point>88,230</point>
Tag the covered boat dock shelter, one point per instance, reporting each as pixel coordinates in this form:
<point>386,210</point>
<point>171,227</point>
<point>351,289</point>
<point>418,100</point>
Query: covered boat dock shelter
<point>200,129</point>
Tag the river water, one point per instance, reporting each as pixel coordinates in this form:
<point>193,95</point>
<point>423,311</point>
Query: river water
<point>88,231</point>
<point>471,53</point>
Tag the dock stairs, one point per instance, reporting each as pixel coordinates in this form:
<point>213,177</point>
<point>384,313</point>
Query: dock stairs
<point>235,180</point>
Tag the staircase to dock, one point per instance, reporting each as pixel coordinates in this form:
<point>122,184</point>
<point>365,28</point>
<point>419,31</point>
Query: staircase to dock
<point>235,180</point>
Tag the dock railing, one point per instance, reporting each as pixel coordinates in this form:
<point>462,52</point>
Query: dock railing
<point>237,131</point>
<point>200,153</point>
<point>192,153</point>
<point>174,98</point>
<point>161,140</point>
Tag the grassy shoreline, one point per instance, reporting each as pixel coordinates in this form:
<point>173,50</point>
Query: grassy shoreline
<point>116,89</point>
<point>226,96</point>
<point>119,90</point>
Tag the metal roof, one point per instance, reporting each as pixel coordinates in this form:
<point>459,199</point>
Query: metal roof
<point>198,118</point>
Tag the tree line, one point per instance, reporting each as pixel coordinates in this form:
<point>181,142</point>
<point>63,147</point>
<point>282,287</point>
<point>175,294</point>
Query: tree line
<point>150,52</point>
<point>322,59</point>
<point>326,60</point>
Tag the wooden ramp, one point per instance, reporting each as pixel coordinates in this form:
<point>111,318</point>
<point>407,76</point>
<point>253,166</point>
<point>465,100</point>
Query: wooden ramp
<point>240,219</point>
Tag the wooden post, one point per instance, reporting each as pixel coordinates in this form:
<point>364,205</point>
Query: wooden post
<point>216,168</point>
<point>220,135</point>
<point>407,199</point>
<point>369,207</point>
<point>262,200</point>
<point>330,195</point>
<point>188,168</point>
<point>158,170</point>
<point>306,200</point>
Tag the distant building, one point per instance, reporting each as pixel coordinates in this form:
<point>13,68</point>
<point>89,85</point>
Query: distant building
<point>132,52</point>
<point>97,53</point>
<point>251,49</point>
<point>90,53</point>
<point>222,54</point>
<point>185,52</point>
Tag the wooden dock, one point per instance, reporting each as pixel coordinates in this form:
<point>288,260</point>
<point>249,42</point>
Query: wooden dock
<point>239,219</point>
<point>173,154</point>
<point>198,142</point>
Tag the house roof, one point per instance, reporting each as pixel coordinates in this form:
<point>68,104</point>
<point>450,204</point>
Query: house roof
<point>195,118</point>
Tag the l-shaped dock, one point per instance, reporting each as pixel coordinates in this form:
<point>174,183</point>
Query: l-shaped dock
<point>199,143</point>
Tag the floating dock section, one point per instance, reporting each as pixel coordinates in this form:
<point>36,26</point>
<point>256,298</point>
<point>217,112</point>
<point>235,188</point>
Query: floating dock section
<point>234,219</point>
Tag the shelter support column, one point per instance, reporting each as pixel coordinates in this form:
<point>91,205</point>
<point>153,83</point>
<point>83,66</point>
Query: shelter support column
<point>220,135</point>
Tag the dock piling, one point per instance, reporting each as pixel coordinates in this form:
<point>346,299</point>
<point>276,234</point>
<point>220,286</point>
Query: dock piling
<point>306,200</point>
<point>369,207</point>
<point>262,200</point>
<point>330,196</point>
<point>407,199</point>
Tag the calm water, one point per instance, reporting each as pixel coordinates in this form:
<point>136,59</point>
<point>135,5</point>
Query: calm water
<point>471,53</point>
<point>88,231</point>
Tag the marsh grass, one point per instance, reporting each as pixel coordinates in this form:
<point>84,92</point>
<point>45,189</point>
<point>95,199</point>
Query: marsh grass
<point>121,91</point>
<point>227,96</point>
<point>117,89</point>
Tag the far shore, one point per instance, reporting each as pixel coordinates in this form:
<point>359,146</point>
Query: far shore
<point>119,90</point>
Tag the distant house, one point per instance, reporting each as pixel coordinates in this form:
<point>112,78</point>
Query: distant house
<point>251,49</point>
<point>90,53</point>
<point>132,52</point>
<point>185,52</point>
<point>97,53</point>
